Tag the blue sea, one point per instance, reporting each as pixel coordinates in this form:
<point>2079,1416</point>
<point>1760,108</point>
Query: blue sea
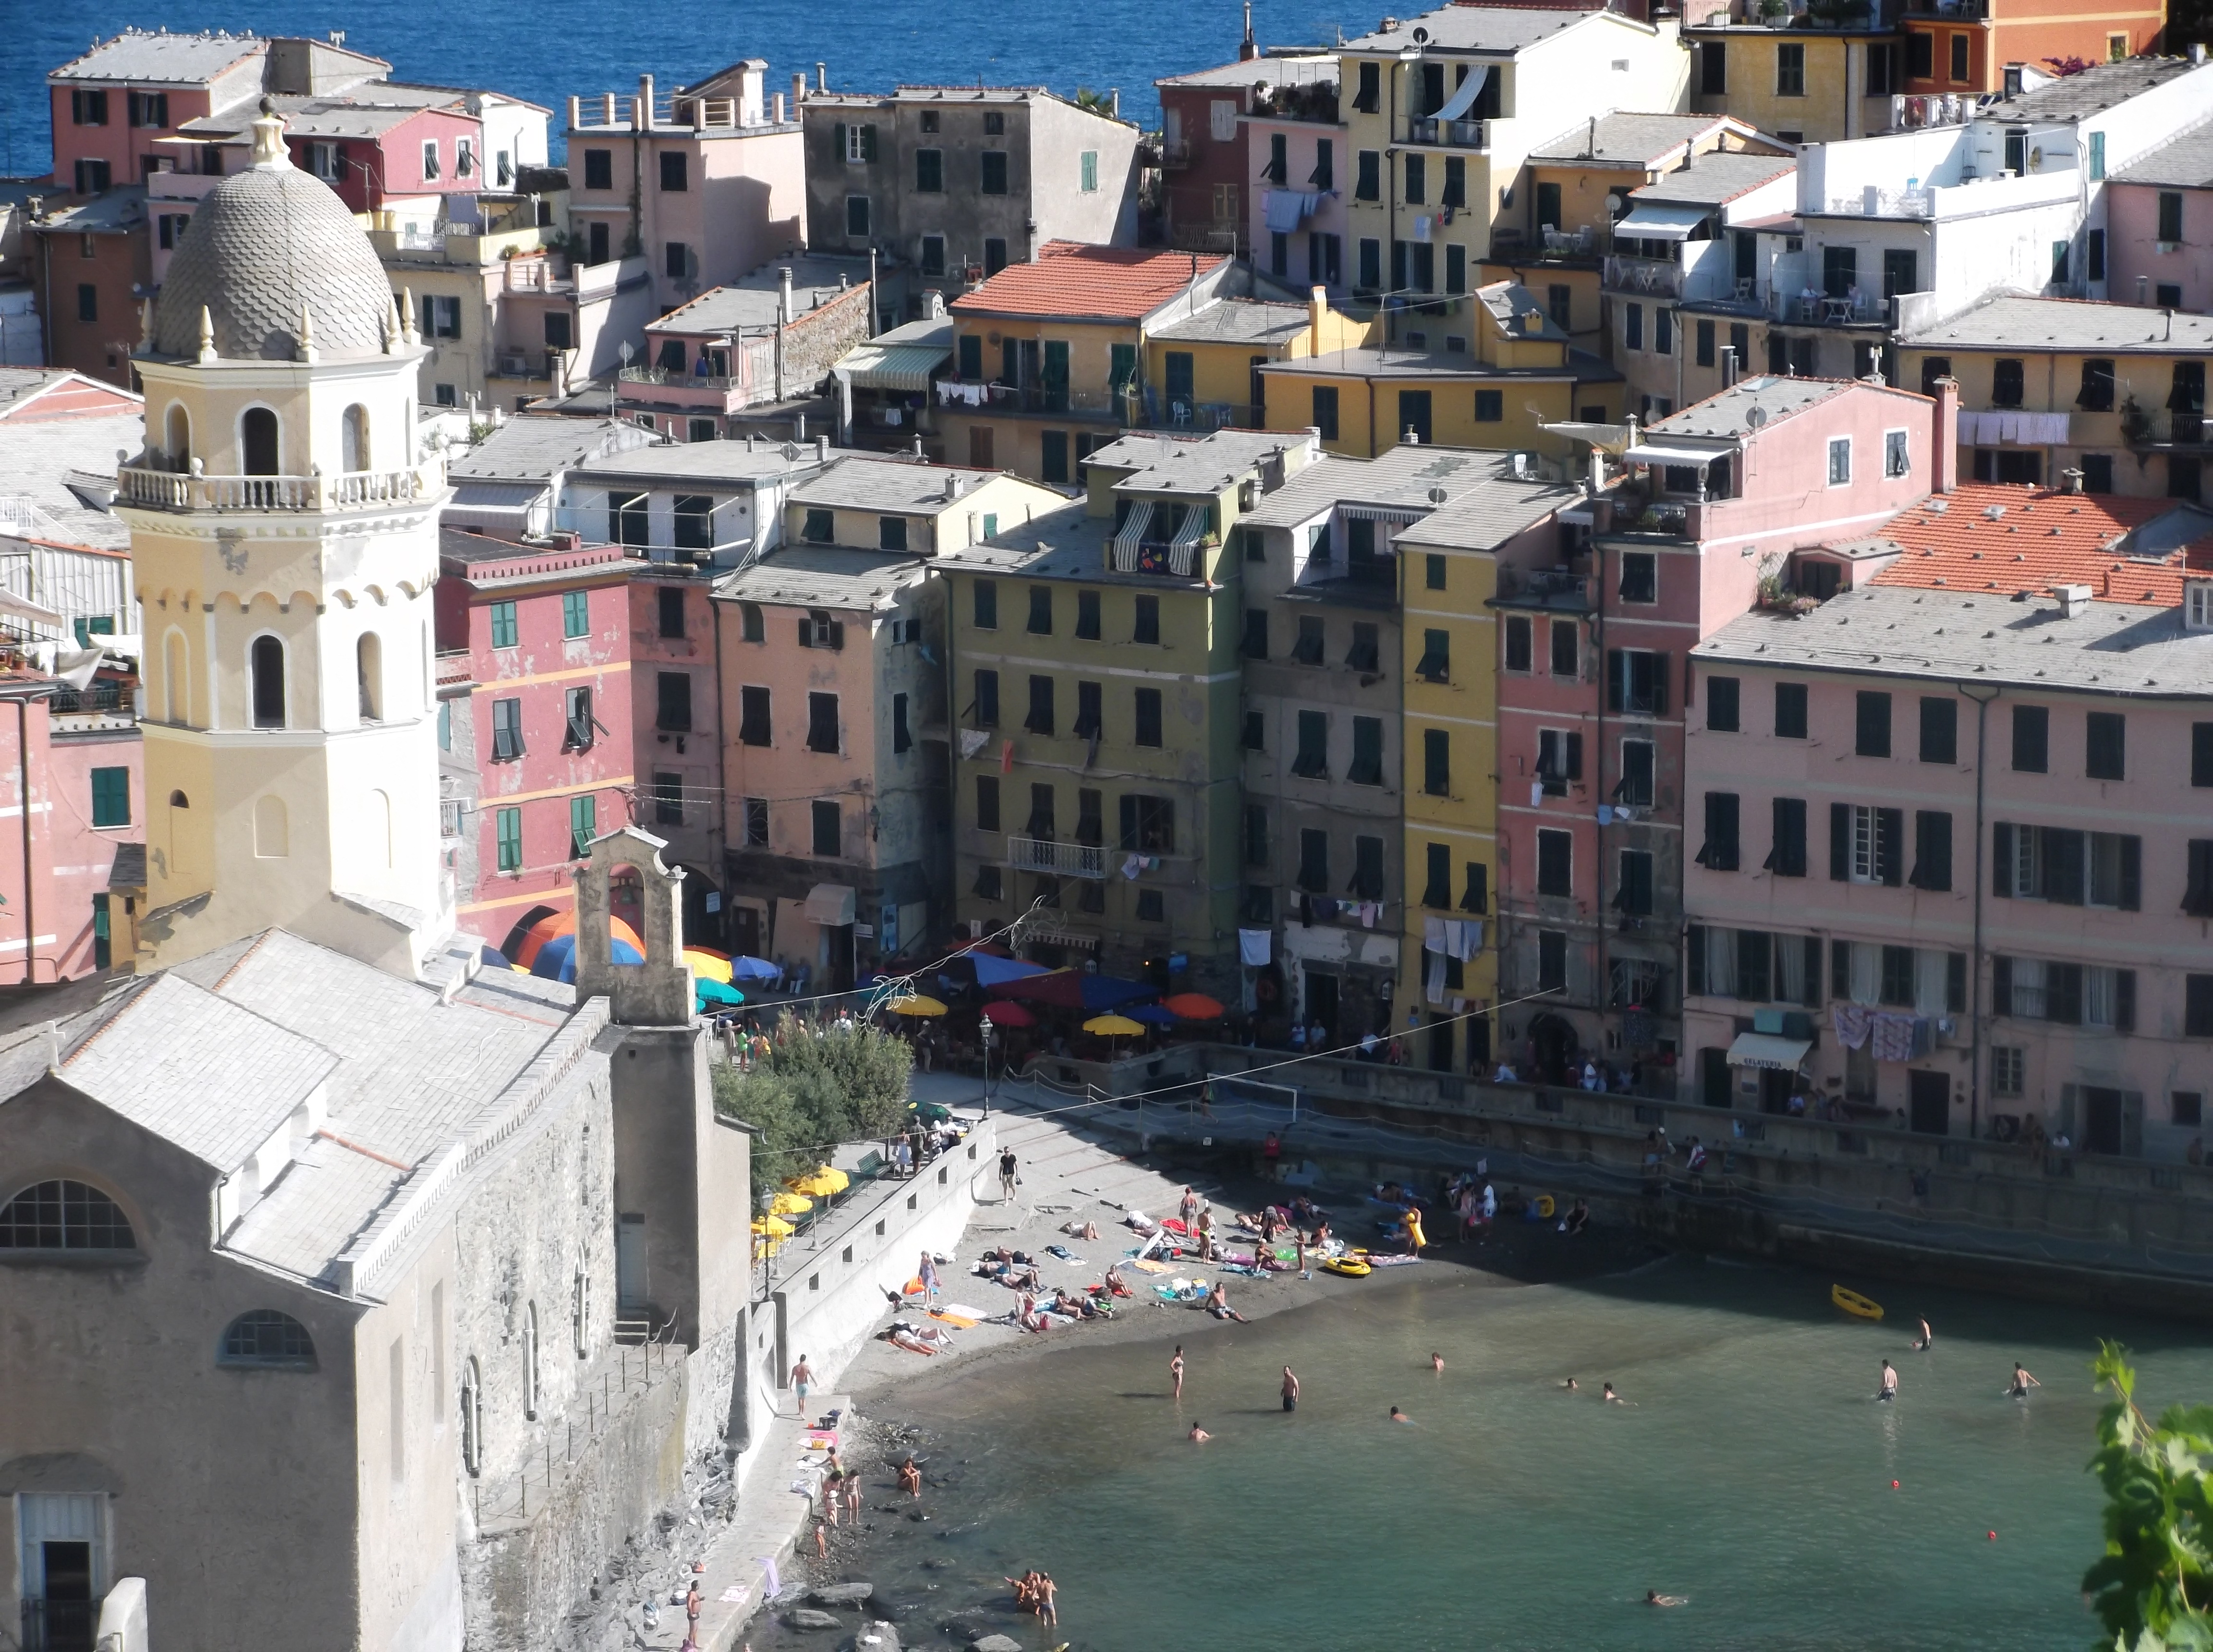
<point>546,50</point>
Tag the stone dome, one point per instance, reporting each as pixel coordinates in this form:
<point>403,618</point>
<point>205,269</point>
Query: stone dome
<point>264,244</point>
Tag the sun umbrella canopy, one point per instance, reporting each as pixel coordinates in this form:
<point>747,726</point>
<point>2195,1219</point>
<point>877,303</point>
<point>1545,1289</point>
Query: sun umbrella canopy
<point>525,949</point>
<point>819,1183</point>
<point>708,967</point>
<point>707,992</point>
<point>555,960</point>
<point>493,957</point>
<point>754,969</point>
<point>1068,989</point>
<point>1152,1014</point>
<point>915,1004</point>
<point>1113,1027</point>
<point>1192,1007</point>
<point>1005,1012</point>
<point>930,1112</point>
<point>789,1204</point>
<point>776,1225</point>
<point>991,970</point>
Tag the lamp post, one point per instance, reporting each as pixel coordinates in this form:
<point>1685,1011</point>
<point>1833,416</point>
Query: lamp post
<point>984,1022</point>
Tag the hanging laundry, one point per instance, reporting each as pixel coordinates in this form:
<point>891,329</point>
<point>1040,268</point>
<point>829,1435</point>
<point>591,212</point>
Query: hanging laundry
<point>1252,948</point>
<point>1433,977</point>
<point>1536,794</point>
<point>974,740</point>
<point>1422,226</point>
<point>1006,757</point>
<point>1369,911</point>
<point>1852,1021</point>
<point>1433,935</point>
<point>1326,908</point>
<point>1132,866</point>
<point>1892,1037</point>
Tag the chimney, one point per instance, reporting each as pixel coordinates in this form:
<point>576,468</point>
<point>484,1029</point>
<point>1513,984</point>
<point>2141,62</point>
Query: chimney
<point>821,449</point>
<point>1114,102</point>
<point>821,76</point>
<point>1729,368</point>
<point>2073,600</point>
<point>1317,307</point>
<point>953,485</point>
<point>1248,48</point>
<point>2197,52</point>
<point>2070,481</point>
<point>778,101</point>
<point>641,118</point>
<point>798,91</point>
<point>783,296</point>
<point>1944,442</point>
<point>576,112</point>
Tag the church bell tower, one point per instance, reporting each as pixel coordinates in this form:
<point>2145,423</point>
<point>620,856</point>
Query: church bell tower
<point>284,532</point>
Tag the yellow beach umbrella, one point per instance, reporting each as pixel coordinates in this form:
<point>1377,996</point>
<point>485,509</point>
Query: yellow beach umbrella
<point>814,1185</point>
<point>776,1226</point>
<point>1114,1026</point>
<point>833,1181</point>
<point>915,1004</point>
<point>707,966</point>
<point>789,1204</point>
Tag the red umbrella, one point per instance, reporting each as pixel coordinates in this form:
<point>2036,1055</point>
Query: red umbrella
<point>1192,1007</point>
<point>1005,1012</point>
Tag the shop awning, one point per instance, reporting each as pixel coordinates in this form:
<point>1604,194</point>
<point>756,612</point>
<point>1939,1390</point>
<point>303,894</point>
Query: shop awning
<point>892,367</point>
<point>830,905</point>
<point>489,503</point>
<point>1765,1050</point>
<point>1660,221</point>
<point>1649,453</point>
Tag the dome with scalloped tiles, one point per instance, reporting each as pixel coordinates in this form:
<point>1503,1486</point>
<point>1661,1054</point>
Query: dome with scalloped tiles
<point>265,246</point>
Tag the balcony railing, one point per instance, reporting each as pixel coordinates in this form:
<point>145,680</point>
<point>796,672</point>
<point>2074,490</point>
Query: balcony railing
<point>1658,277</point>
<point>59,1625</point>
<point>1175,156</point>
<point>1059,859</point>
<point>155,489</point>
<point>2162,427</point>
<point>103,696</point>
<point>1448,134</point>
<point>525,364</point>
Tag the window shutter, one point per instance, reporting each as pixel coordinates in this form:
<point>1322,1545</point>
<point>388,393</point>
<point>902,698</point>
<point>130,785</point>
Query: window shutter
<point>1840,969</point>
<point>2002,858</point>
<point>1813,956</point>
<point>1841,843</point>
<point>2131,873</point>
<point>2001,985</point>
<point>806,633</point>
<point>1575,757</point>
<point>1660,667</point>
<point>838,143</point>
<point>838,626</point>
<point>2062,993</point>
<point>2063,865</point>
<point>2124,1001</point>
<point>1128,822</point>
<point>1694,961</point>
<point>868,143</point>
<point>1890,845</point>
<point>1617,679</point>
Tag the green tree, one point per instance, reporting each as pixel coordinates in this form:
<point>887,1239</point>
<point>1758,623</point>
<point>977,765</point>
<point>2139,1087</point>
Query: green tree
<point>2152,1588</point>
<point>814,1090</point>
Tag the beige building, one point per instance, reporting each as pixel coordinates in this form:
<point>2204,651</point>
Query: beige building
<point>329,1238</point>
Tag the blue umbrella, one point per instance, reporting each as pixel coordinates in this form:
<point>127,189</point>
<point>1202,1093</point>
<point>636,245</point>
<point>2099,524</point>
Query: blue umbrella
<point>991,970</point>
<point>706,992</point>
<point>1151,1014</point>
<point>493,957</point>
<point>557,958</point>
<point>754,969</point>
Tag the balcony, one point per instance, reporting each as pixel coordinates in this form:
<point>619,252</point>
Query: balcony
<point>1448,134</point>
<point>153,490</point>
<point>2163,427</point>
<point>1661,277</point>
<point>1125,404</point>
<point>1810,307</point>
<point>617,112</point>
<point>524,364</point>
<point>1057,859</point>
<point>1175,157</point>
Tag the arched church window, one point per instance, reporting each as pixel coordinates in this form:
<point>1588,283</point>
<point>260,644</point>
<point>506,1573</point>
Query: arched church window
<point>64,1215</point>
<point>257,433</point>
<point>268,1339</point>
<point>368,670</point>
<point>357,437</point>
<point>180,437</point>
<point>267,670</point>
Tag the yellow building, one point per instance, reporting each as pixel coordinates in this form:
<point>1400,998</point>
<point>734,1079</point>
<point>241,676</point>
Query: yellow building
<point>284,532</point>
<point>1442,111</point>
<point>1803,82</point>
<point>1207,366</point>
<point>2051,385</point>
<point>1489,372</point>
<point>1448,565</point>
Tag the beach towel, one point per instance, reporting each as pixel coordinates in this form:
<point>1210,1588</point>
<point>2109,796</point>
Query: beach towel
<point>1063,1254</point>
<point>1377,1261</point>
<point>913,1288</point>
<point>911,1343</point>
<point>1150,1266</point>
<point>957,1321</point>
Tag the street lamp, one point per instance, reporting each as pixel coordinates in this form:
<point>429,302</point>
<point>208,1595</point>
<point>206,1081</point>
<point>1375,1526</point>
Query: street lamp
<point>984,1022</point>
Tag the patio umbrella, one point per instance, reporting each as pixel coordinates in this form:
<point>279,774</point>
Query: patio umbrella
<point>711,952</point>
<point>915,1004</point>
<point>554,925</point>
<point>775,1226</point>
<point>1113,1027</point>
<point>706,992</point>
<point>1192,1007</point>
<point>818,1182</point>
<point>707,965</point>
<point>1005,1012</point>
<point>556,959</point>
<point>991,970</point>
<point>754,969</point>
<point>930,1113</point>
<point>493,957</point>
<point>1152,1014</point>
<point>789,1204</point>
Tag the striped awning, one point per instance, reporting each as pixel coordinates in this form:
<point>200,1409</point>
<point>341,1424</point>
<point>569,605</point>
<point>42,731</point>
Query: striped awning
<point>892,367</point>
<point>1397,515</point>
<point>1192,528</point>
<point>1132,531</point>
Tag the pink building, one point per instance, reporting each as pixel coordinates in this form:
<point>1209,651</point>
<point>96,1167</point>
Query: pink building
<point>535,712</point>
<point>1970,866</point>
<point>1209,175</point>
<point>677,728</point>
<point>2158,219</point>
<point>1296,229</point>
<point>705,183</point>
<point>1594,690</point>
<point>79,753</point>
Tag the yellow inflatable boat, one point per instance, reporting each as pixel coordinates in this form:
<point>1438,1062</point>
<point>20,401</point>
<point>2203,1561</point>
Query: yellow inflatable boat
<point>1853,1303</point>
<point>1353,1265</point>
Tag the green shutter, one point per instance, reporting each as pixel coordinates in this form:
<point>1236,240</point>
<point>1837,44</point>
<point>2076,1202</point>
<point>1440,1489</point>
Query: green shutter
<point>583,824</point>
<point>111,797</point>
<point>575,613</point>
<point>509,824</point>
<point>504,631</point>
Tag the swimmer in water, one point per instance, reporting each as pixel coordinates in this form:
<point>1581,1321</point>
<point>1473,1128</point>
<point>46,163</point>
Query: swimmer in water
<point>1610,1397</point>
<point>1889,1388</point>
<point>1398,1416</point>
<point>1653,1598</point>
<point>1570,1383</point>
<point>1200,1435</point>
<point>2023,1382</point>
<point>1928,1336</point>
<point>1438,1364</point>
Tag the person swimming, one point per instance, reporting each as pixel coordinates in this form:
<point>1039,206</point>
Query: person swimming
<point>1889,1389</point>
<point>1438,1364</point>
<point>1610,1397</point>
<point>1200,1435</point>
<point>1928,1336</point>
<point>1398,1416</point>
<point>1653,1598</point>
<point>1570,1383</point>
<point>2023,1382</point>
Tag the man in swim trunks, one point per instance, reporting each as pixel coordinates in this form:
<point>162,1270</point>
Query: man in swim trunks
<point>1609,1396</point>
<point>1200,1435</point>
<point>2023,1382</point>
<point>1290,1390</point>
<point>1570,1383</point>
<point>1438,1364</point>
<point>1889,1389</point>
<point>1175,1370</point>
<point>1927,1338</point>
<point>802,1378</point>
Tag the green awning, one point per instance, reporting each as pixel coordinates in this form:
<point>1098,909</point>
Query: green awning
<point>892,367</point>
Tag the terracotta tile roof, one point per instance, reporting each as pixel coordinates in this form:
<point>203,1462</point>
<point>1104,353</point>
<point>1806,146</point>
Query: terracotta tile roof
<point>1071,279</point>
<point>2125,550</point>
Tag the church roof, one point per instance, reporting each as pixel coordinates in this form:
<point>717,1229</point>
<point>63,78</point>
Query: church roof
<point>268,244</point>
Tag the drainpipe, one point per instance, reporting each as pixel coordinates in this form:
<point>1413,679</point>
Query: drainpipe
<point>23,781</point>
<point>1975,961</point>
<point>1598,780</point>
<point>1390,232</point>
<point>718,833</point>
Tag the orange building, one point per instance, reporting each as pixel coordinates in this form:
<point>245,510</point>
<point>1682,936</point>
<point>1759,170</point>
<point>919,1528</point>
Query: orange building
<point>1964,45</point>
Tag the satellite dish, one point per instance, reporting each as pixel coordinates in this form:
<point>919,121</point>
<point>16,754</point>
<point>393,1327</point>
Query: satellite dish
<point>627,352</point>
<point>1756,418</point>
<point>1438,496</point>
<point>1421,37</point>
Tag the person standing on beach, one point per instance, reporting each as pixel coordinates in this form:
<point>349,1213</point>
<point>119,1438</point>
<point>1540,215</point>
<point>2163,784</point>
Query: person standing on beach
<point>1290,1390</point>
<point>1007,1177</point>
<point>1175,1370</point>
<point>802,1378</point>
<point>1188,1210</point>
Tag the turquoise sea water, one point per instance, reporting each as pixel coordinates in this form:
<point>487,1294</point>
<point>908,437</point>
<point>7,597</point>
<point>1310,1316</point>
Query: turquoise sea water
<point>1751,1473</point>
<point>547,50</point>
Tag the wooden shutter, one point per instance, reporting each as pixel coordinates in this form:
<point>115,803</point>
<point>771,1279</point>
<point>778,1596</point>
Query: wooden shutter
<point>1841,843</point>
<point>1812,971</point>
<point>1617,679</point>
<point>1890,845</point>
<point>806,633</point>
<point>2002,858</point>
<point>2001,985</point>
<point>838,143</point>
<point>2124,1001</point>
<point>2131,873</point>
<point>1694,960</point>
<point>1660,667</point>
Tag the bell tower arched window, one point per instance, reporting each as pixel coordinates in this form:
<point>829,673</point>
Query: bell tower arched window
<point>357,437</point>
<point>368,668</point>
<point>266,668</point>
<point>257,433</point>
<point>180,437</point>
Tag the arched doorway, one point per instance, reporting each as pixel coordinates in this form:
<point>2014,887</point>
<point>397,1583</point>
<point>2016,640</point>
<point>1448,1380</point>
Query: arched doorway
<point>1557,1047</point>
<point>257,437</point>
<point>704,911</point>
